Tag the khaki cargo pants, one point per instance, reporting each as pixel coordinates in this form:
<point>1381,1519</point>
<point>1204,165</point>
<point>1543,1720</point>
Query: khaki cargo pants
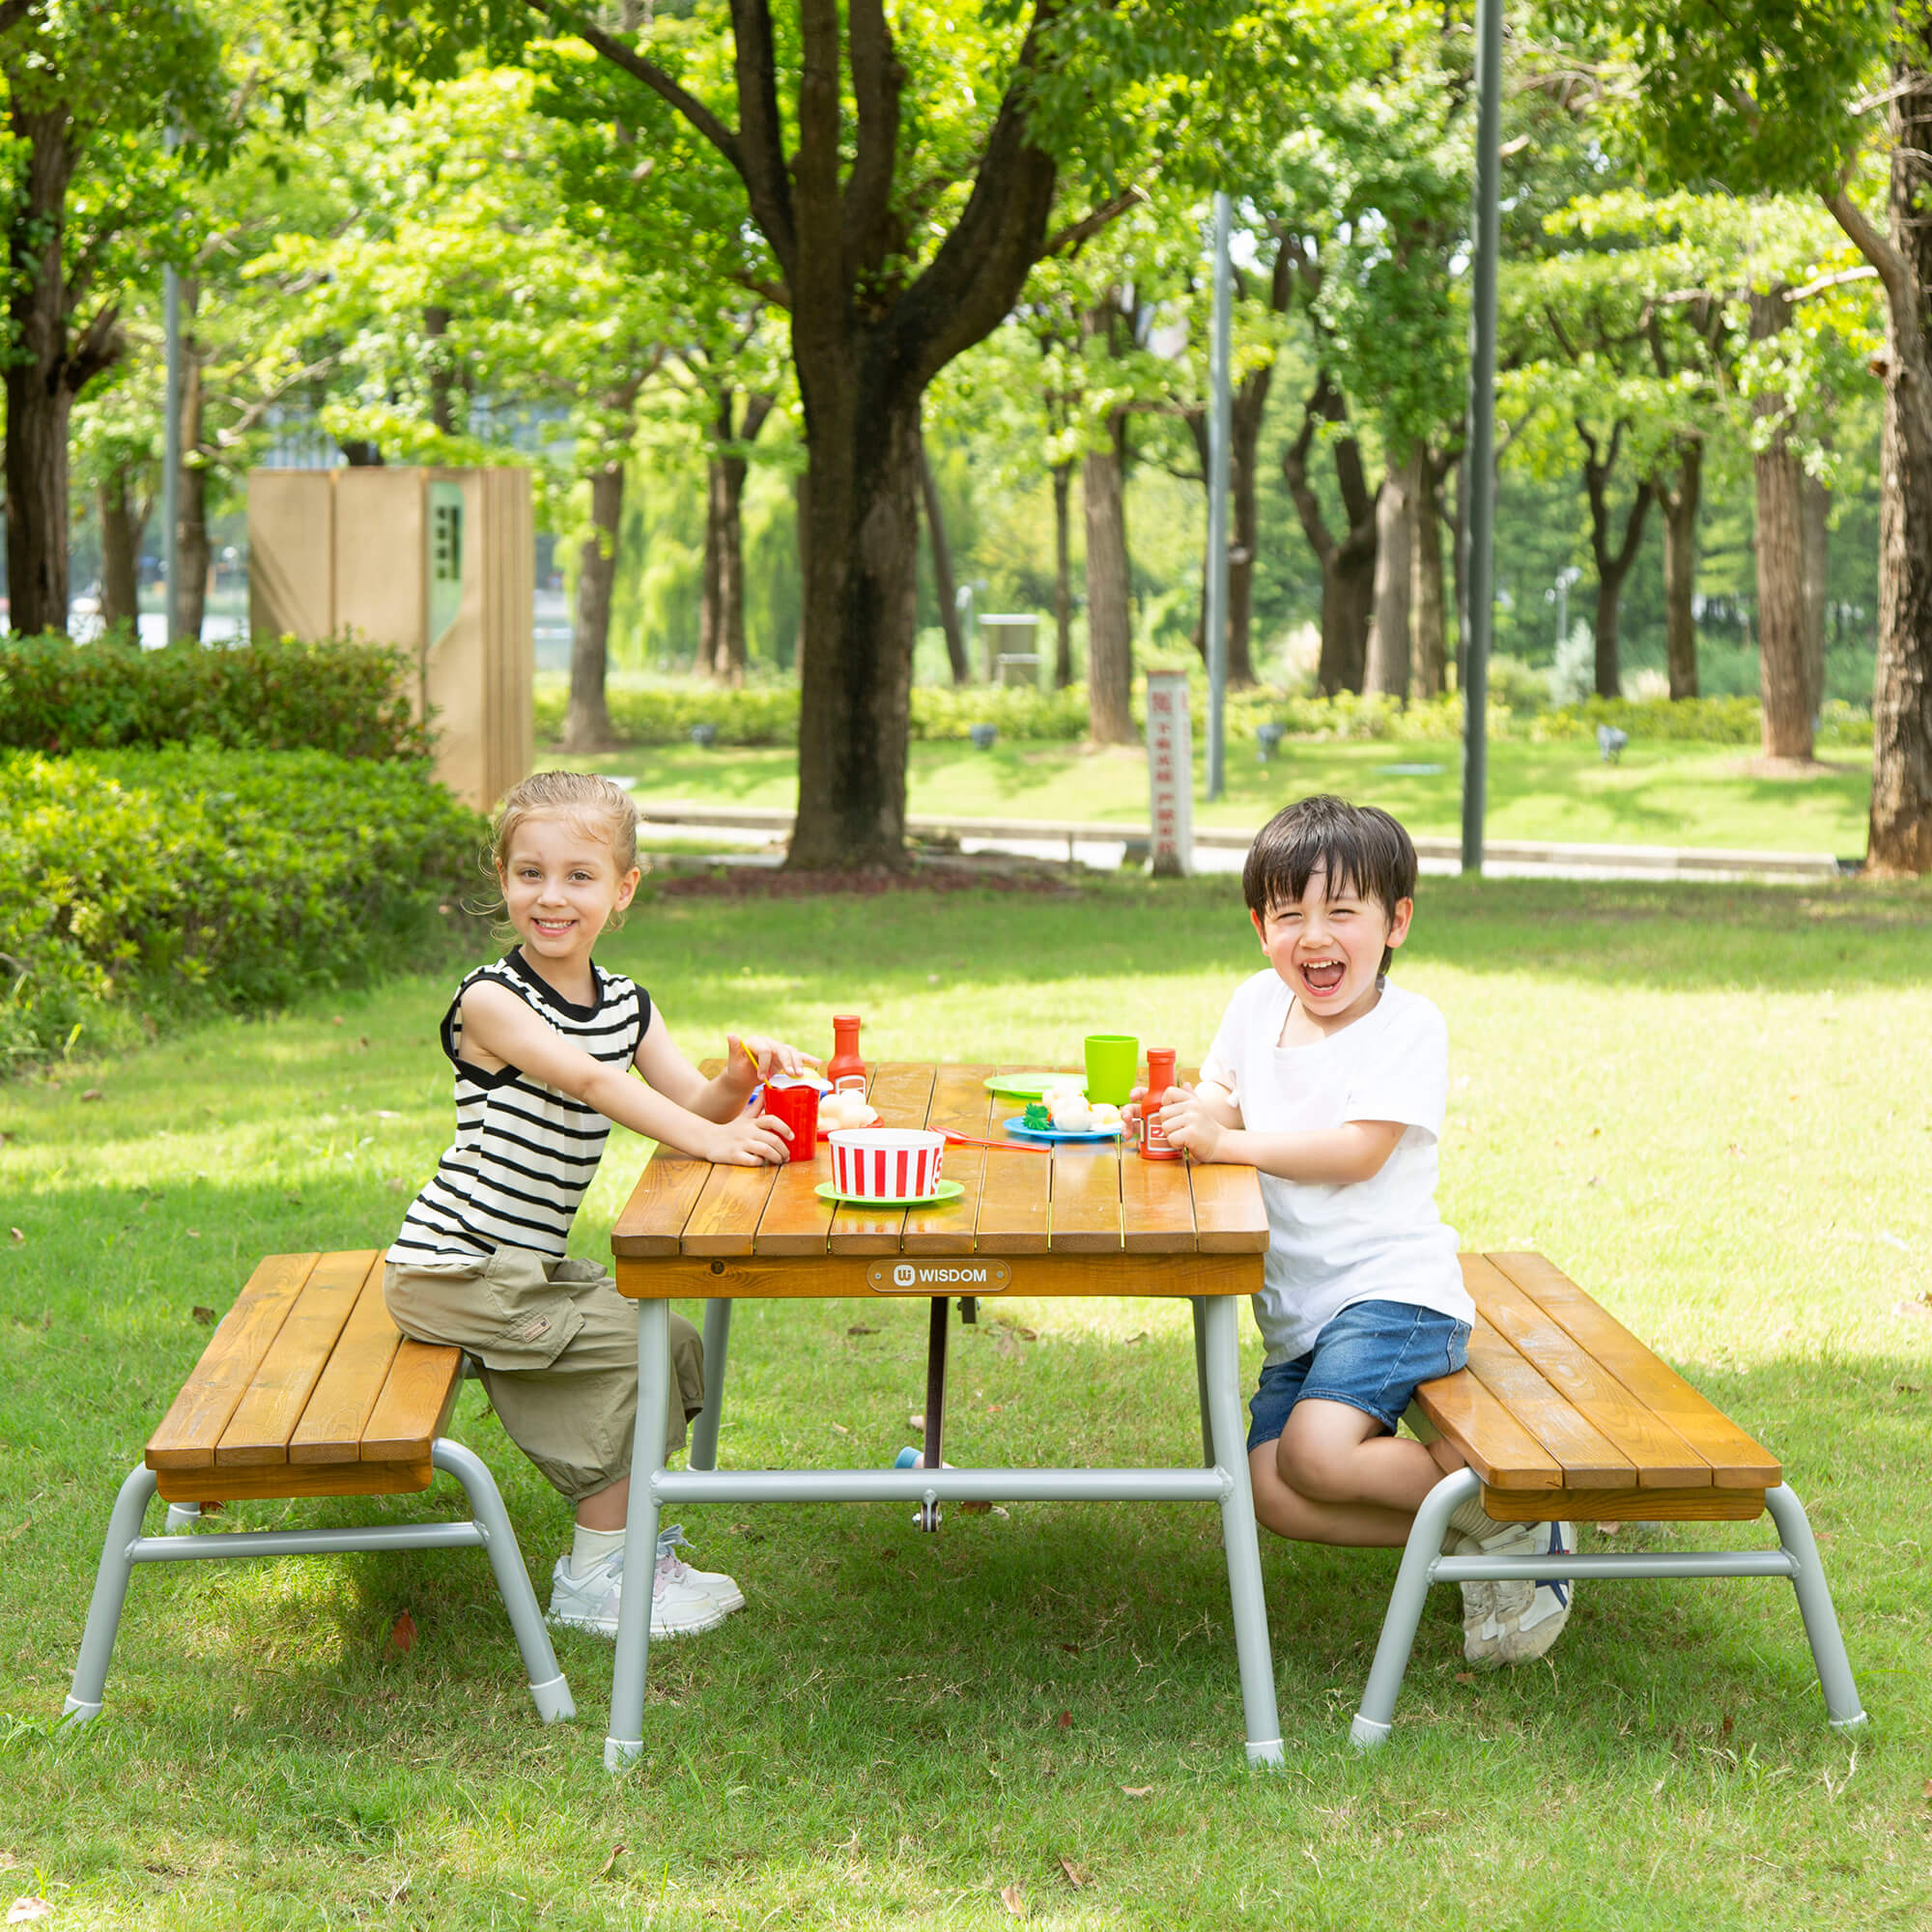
<point>558,1350</point>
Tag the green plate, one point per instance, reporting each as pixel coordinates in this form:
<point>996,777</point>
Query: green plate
<point>948,1190</point>
<point>1032,1085</point>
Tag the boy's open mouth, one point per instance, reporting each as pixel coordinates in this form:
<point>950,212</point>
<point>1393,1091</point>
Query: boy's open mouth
<point>1323,976</point>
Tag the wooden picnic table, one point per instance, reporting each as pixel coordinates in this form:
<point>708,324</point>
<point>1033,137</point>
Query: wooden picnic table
<point>1077,1219</point>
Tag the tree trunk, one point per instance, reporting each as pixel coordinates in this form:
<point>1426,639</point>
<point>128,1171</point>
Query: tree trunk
<point>1110,654</point>
<point>1816,510</point>
<point>1680,503</point>
<point>1431,643</point>
<point>721,628</point>
<point>121,528</point>
<point>587,724</point>
<point>191,546</point>
<point>1782,678</point>
<point>942,570</point>
<point>1063,573</point>
<point>441,373</point>
<point>1348,567</point>
<point>1388,625</point>
<point>1613,564</point>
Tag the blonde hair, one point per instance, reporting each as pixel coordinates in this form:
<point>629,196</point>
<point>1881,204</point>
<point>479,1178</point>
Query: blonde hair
<point>582,797</point>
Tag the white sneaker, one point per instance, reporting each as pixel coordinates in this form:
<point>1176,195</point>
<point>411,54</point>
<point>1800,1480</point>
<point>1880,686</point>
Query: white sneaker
<point>1514,1621</point>
<point>591,1602</point>
<point>715,1584</point>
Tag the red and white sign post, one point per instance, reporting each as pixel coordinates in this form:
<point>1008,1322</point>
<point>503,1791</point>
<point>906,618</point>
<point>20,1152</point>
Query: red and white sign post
<point>1170,739</point>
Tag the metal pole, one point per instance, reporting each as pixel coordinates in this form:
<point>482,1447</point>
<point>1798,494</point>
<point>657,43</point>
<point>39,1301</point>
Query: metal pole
<point>171,450</point>
<point>1479,466</point>
<point>1215,617</point>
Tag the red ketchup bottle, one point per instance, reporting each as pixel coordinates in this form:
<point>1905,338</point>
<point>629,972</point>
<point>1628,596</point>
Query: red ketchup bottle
<point>845,1070</point>
<point>1159,1078</point>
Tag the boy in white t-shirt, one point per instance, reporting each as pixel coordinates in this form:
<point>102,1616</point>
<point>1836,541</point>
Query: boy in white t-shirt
<point>1331,1083</point>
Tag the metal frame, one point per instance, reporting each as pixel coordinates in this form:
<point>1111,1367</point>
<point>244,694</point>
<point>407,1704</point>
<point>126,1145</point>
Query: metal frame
<point>1223,1480</point>
<point>488,1530</point>
<point>1423,1564</point>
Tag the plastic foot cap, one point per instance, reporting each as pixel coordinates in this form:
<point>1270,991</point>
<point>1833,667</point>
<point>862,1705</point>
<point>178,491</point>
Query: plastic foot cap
<point>620,1751</point>
<point>1365,1734</point>
<point>181,1517</point>
<point>1850,1723</point>
<point>553,1701</point>
<point>1265,1754</point>
<point>75,1711</point>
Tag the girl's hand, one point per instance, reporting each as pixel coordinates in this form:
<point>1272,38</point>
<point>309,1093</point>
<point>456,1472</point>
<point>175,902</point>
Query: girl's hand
<point>762,1142</point>
<point>773,1056</point>
<point>1186,1123</point>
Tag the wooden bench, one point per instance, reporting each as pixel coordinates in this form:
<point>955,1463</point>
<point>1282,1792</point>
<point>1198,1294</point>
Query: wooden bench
<point>307,1389</point>
<point>1562,1413</point>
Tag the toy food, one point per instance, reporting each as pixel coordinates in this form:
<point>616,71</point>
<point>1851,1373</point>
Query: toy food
<point>1070,1112</point>
<point>886,1163</point>
<point>1102,1116</point>
<point>1037,1119</point>
<point>844,1109</point>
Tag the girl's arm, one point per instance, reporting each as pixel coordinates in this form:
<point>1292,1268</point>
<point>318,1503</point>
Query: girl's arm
<point>1198,1121</point>
<point>722,1098</point>
<point>501,1028</point>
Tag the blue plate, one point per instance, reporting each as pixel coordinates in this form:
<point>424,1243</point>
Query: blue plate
<point>1017,1125</point>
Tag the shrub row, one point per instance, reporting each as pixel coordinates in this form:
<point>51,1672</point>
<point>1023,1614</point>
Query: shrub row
<point>133,882</point>
<point>769,716</point>
<point>336,696</point>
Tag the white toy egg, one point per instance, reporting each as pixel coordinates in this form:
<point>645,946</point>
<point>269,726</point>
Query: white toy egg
<point>1070,1112</point>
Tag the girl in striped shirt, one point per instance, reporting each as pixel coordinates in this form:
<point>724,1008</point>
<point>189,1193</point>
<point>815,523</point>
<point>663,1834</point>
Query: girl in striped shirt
<point>542,1042</point>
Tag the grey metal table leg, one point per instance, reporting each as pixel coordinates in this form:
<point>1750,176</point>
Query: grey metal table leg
<point>626,1739</point>
<point>513,1581</point>
<point>1221,1359</point>
<point>717,1342</point>
<point>1200,1305</point>
<point>1404,1611</point>
<point>110,1592</point>
<point>1814,1605</point>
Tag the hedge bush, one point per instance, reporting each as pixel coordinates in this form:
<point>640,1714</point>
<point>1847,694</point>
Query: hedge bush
<point>765,715</point>
<point>134,884</point>
<point>337,695</point>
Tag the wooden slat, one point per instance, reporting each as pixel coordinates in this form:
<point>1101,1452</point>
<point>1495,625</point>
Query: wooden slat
<point>1736,1461</point>
<point>331,1429</point>
<point>901,1091</point>
<point>818,1276</point>
<point>1086,1215</point>
<point>659,1204</point>
<point>193,1424</point>
<point>795,1220</point>
<point>1662,1457</point>
<point>295,1479</point>
<point>1706,1505</point>
<point>1498,1447</point>
<point>417,1394</point>
<point>1229,1218</point>
<point>1156,1207</point>
<point>960,1105</point>
<point>725,1220</point>
<point>1586,1459</point>
<point>1015,1190</point>
<point>266,1417</point>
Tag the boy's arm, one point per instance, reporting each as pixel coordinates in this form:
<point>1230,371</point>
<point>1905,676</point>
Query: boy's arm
<point>498,1022</point>
<point>1197,1119</point>
<point>722,1098</point>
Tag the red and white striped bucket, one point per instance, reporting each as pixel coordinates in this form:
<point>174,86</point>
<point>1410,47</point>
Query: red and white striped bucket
<point>886,1163</point>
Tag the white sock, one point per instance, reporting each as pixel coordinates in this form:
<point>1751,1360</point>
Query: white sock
<point>1471,1519</point>
<point>589,1548</point>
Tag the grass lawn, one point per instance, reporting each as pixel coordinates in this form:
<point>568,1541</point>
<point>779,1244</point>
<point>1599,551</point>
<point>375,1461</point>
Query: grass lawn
<point>1656,795</point>
<point>1712,1105</point>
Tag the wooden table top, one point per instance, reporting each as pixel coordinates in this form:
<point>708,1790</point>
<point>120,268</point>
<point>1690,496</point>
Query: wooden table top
<point>1083,1200</point>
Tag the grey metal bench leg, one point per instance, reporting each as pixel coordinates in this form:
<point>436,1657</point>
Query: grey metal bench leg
<point>626,1739</point>
<point>1228,1447</point>
<point>717,1342</point>
<point>1814,1605</point>
<point>1404,1611</point>
<point>110,1592</point>
<point>1200,1305</point>
<point>513,1581</point>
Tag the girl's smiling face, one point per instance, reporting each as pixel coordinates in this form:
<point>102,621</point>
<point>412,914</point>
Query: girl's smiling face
<point>560,887</point>
<point>1327,949</point>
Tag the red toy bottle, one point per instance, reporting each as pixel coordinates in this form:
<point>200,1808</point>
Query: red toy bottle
<point>845,1070</point>
<point>1159,1078</point>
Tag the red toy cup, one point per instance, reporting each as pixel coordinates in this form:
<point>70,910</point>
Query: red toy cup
<point>798,1108</point>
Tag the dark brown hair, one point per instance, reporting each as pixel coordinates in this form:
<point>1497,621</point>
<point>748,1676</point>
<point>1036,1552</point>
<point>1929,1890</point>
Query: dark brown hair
<point>1358,849</point>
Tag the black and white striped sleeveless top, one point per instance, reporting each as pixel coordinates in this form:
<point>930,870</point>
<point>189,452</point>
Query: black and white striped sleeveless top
<point>524,1153</point>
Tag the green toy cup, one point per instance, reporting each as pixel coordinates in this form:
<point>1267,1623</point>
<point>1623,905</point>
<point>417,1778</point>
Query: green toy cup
<point>1112,1060</point>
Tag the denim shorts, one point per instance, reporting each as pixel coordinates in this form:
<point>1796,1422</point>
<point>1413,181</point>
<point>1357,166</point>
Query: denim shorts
<point>1371,1357</point>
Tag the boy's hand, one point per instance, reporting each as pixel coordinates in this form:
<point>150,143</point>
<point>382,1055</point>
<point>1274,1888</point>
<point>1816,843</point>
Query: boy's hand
<point>773,1056</point>
<point>763,1142</point>
<point>1187,1123</point>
